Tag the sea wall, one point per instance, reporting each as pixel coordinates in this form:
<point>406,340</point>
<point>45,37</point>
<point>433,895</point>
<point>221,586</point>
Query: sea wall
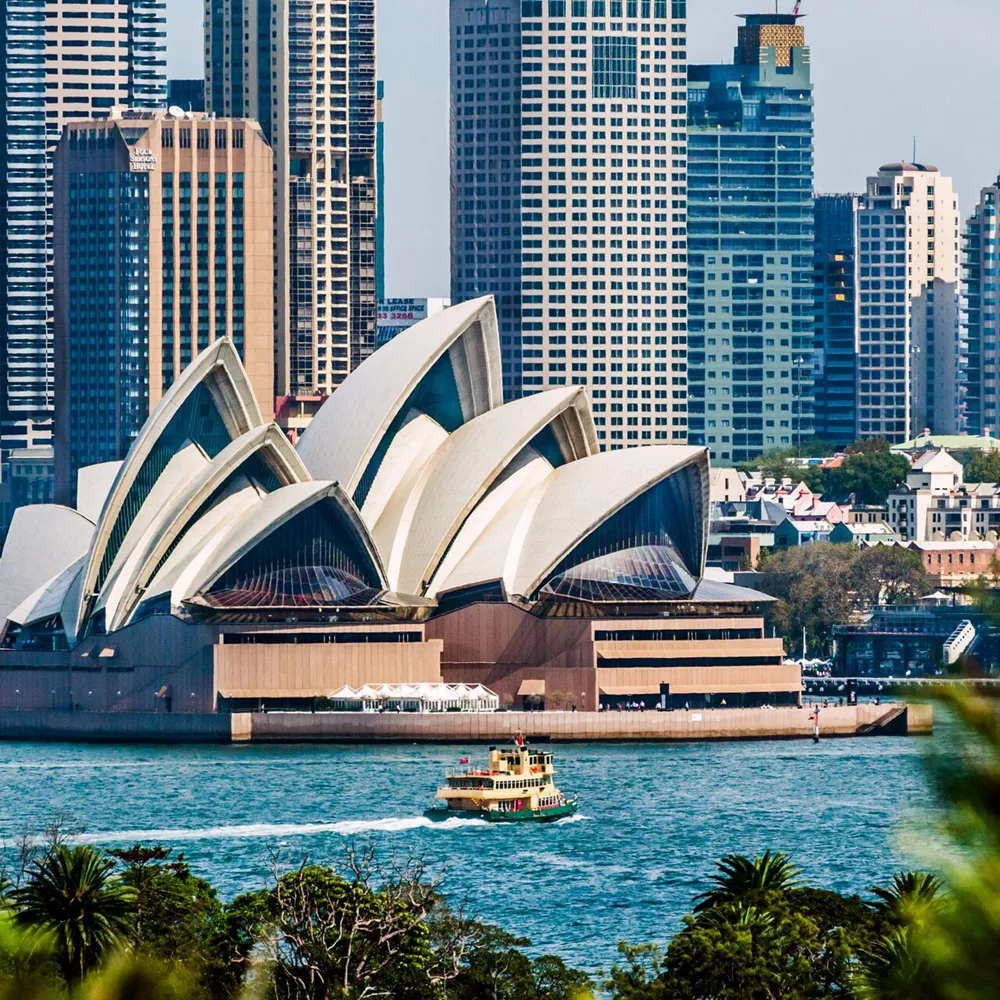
<point>115,727</point>
<point>716,724</point>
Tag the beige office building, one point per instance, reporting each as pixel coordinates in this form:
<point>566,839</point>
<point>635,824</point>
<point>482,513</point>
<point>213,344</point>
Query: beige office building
<point>569,200</point>
<point>162,246</point>
<point>908,369</point>
<point>308,76</point>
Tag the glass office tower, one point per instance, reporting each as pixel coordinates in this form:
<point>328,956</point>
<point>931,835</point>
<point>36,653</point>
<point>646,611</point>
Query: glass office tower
<point>750,240</point>
<point>62,61</point>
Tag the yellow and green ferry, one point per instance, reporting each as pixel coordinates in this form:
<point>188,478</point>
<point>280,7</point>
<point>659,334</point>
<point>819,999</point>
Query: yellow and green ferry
<point>517,786</point>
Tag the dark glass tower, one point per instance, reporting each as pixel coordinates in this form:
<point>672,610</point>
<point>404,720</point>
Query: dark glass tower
<point>838,340</point>
<point>750,239</point>
<point>981,250</point>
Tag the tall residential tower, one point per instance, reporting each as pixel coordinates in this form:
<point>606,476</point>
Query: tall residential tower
<point>568,199</point>
<point>750,239</point>
<point>163,246</point>
<point>305,69</point>
<point>911,360</point>
<point>63,60</point>
<point>981,246</point>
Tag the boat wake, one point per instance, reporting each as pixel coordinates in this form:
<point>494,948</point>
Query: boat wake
<point>566,820</point>
<point>344,828</point>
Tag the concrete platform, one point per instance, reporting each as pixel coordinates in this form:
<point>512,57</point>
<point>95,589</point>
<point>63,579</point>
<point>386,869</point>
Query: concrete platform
<point>713,724</point>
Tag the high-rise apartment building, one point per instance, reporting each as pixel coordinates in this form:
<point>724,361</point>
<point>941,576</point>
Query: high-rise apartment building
<point>981,247</point>
<point>568,199</point>
<point>62,60</point>
<point>305,69</point>
<point>750,243</point>
<point>838,329</point>
<point>163,246</point>
<point>911,356</point>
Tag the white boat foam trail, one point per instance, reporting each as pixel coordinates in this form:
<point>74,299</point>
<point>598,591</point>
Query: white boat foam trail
<point>566,820</point>
<point>345,828</point>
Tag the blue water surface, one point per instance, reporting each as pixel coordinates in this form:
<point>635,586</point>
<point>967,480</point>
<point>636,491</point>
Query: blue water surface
<point>653,819</point>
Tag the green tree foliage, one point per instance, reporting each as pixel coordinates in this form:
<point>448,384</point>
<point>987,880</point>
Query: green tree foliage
<point>868,446</point>
<point>867,475</point>
<point>741,878</point>
<point>822,585</point>
<point>177,917</point>
<point>953,940</point>
<point>983,467</point>
<point>495,968</point>
<point>325,936</point>
<point>757,934</point>
<point>73,899</point>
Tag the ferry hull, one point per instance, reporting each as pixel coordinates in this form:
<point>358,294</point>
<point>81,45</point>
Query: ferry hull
<point>494,816</point>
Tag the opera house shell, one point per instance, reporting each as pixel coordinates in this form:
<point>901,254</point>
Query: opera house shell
<point>421,530</point>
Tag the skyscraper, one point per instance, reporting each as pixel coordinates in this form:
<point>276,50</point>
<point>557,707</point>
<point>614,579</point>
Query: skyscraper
<point>568,199</point>
<point>750,240</point>
<point>62,60</point>
<point>838,331</point>
<point>163,246</point>
<point>305,69</point>
<point>981,246</point>
<point>910,364</point>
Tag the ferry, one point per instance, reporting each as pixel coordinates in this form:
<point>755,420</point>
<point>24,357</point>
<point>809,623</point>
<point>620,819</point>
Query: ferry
<point>515,787</point>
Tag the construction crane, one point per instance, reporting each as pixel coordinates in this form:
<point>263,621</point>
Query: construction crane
<point>796,8</point>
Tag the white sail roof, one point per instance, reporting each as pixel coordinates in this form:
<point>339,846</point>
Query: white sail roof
<point>351,425</point>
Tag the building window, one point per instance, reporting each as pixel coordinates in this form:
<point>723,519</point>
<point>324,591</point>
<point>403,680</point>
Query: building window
<point>614,67</point>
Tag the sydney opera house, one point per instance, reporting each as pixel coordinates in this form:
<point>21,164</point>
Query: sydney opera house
<point>422,531</point>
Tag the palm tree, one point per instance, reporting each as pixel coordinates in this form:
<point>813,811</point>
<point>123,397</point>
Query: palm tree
<point>892,970</point>
<point>72,899</point>
<point>741,876</point>
<point>907,895</point>
<point>740,914</point>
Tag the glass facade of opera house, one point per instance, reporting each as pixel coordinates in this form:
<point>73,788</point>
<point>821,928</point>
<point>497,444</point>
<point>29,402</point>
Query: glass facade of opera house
<point>422,531</point>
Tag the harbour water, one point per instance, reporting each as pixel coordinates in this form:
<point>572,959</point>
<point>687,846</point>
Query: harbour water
<point>653,819</point>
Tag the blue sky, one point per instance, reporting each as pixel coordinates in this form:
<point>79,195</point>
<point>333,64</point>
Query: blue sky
<point>884,70</point>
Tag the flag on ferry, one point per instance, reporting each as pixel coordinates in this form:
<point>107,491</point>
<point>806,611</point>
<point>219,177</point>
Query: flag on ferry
<point>464,760</point>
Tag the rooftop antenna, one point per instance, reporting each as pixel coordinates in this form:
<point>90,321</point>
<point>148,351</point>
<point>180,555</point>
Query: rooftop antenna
<point>914,160</point>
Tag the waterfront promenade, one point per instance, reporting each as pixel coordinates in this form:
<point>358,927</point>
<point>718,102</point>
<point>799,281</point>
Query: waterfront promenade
<point>893,718</point>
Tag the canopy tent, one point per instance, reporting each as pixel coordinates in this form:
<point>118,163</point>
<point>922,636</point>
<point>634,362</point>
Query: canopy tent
<point>415,698</point>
